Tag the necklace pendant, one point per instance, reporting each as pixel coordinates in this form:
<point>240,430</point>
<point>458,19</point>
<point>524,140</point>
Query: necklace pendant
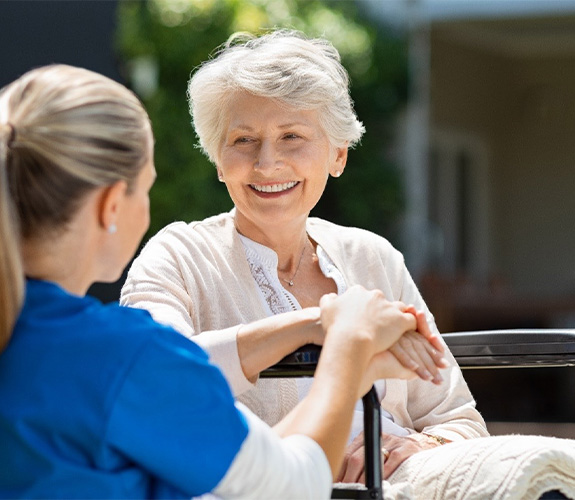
<point>290,283</point>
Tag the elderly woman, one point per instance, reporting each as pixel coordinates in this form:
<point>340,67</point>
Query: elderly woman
<point>275,116</point>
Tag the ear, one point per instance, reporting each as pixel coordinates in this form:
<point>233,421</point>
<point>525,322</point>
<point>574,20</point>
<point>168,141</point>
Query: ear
<point>111,202</point>
<point>220,175</point>
<point>340,161</point>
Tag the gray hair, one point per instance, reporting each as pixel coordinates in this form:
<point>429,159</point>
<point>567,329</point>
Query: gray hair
<point>64,131</point>
<point>284,65</point>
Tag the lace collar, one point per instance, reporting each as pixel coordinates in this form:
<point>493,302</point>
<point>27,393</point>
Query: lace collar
<point>263,262</point>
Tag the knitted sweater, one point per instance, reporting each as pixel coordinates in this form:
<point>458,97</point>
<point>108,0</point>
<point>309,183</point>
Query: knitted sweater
<point>195,277</point>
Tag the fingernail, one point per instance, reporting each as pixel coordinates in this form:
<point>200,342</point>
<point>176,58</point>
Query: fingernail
<point>444,362</point>
<point>427,375</point>
<point>438,379</point>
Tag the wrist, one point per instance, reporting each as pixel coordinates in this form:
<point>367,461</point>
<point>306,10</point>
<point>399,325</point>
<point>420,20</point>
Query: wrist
<point>311,330</point>
<point>355,351</point>
<point>440,441</point>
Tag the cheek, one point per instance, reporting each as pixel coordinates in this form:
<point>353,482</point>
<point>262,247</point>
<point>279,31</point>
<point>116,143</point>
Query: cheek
<point>226,158</point>
<point>139,219</point>
<point>231,159</point>
<point>145,214</point>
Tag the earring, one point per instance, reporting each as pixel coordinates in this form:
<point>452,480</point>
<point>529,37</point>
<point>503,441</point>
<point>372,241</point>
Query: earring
<point>337,173</point>
<point>112,228</point>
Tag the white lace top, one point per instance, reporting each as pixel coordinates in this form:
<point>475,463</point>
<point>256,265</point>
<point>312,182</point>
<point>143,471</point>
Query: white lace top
<point>263,262</point>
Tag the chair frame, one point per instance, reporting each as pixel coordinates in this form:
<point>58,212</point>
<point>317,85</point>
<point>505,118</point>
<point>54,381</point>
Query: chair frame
<point>484,349</point>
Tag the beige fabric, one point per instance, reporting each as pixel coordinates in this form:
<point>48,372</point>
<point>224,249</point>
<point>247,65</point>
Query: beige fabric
<point>195,277</point>
<point>495,468</point>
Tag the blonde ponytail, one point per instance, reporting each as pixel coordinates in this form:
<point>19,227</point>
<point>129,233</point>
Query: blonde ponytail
<point>11,274</point>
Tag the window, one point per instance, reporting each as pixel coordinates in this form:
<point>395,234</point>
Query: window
<point>458,206</point>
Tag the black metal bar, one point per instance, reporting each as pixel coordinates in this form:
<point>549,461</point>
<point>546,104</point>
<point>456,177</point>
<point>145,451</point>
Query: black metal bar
<point>528,348</point>
<point>372,440</point>
<point>302,363</point>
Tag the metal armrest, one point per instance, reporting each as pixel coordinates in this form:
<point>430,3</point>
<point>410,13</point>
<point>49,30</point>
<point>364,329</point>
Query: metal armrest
<point>512,348</point>
<point>300,363</point>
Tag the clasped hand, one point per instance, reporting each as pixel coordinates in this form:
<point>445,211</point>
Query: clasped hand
<point>403,344</point>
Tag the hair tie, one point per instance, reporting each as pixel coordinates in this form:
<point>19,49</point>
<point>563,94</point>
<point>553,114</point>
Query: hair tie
<point>11,132</point>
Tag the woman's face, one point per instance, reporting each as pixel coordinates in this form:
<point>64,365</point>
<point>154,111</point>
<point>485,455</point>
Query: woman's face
<point>275,161</point>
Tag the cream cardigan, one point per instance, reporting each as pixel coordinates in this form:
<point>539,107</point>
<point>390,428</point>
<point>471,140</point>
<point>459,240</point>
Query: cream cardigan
<point>195,277</point>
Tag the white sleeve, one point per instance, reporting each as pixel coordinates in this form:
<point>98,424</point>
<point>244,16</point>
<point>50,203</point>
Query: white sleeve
<point>268,466</point>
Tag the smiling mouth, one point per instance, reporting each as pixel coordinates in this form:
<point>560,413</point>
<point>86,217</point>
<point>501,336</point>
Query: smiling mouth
<point>274,188</point>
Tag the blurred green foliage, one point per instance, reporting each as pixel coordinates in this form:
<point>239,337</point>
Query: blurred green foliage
<point>177,35</point>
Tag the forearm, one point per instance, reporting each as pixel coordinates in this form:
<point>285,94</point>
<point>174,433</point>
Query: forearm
<point>270,467</point>
<point>263,343</point>
<point>459,429</point>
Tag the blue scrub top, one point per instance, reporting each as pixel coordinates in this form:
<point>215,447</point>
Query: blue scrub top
<point>100,401</point>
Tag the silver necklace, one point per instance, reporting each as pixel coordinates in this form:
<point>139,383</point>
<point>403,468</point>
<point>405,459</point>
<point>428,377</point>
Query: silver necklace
<point>290,281</point>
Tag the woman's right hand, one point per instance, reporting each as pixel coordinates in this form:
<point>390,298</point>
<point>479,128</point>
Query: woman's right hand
<point>362,315</point>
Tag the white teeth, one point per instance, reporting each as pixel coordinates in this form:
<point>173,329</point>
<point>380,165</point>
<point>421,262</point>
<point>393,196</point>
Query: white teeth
<point>274,188</point>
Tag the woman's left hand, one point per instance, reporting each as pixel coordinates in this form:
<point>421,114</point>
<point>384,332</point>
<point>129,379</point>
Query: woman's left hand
<point>395,449</point>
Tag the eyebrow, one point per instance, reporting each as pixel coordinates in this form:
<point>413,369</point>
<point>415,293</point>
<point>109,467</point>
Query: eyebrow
<point>284,126</point>
<point>295,124</point>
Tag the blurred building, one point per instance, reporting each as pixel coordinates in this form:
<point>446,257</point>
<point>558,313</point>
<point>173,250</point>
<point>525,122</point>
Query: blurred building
<point>488,144</point>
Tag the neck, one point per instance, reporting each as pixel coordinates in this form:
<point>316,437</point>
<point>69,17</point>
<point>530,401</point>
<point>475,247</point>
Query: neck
<point>287,241</point>
<point>58,261</point>
<point>69,256</point>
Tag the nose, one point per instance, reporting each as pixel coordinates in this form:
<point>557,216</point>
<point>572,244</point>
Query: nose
<point>267,157</point>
